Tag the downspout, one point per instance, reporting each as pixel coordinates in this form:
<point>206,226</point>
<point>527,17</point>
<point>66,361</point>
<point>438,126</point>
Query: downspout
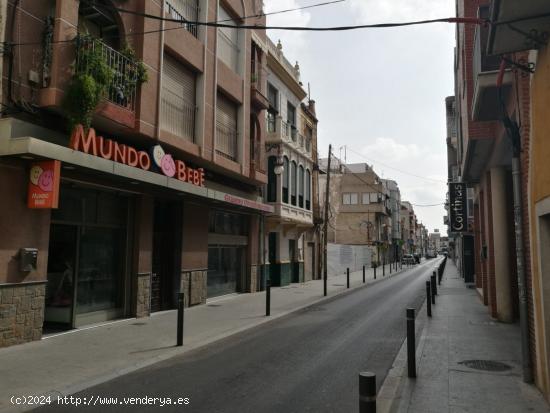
<point>161,68</point>
<point>513,132</point>
<point>3,20</point>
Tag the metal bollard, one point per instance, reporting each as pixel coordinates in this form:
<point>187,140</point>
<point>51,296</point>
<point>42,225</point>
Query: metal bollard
<point>364,274</point>
<point>375,273</point>
<point>181,305</point>
<point>428,298</point>
<point>435,283</point>
<point>325,285</point>
<point>367,392</point>
<point>391,263</point>
<point>347,276</point>
<point>432,282</point>
<point>411,348</point>
<point>384,270</point>
<point>268,298</point>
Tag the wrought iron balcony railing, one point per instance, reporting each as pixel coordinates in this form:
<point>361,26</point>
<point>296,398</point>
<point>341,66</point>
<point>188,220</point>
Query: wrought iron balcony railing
<point>124,82</point>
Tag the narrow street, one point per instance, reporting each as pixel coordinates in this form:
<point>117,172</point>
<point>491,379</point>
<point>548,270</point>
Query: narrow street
<point>306,362</point>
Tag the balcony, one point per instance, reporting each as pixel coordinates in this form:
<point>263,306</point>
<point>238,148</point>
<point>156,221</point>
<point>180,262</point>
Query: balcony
<point>485,105</point>
<point>186,11</point>
<point>280,131</point>
<point>258,86</point>
<point>532,17</point>
<point>291,214</point>
<point>119,105</point>
<point>226,142</point>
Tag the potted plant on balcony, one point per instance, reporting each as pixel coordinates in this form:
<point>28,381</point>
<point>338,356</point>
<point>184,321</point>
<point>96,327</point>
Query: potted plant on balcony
<point>94,79</point>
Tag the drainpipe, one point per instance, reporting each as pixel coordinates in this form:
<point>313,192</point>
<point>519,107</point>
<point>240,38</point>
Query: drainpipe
<point>3,19</point>
<point>513,132</point>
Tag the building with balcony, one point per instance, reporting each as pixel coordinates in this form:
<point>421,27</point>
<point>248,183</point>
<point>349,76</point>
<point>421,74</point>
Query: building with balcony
<point>290,142</point>
<point>493,115</point>
<point>360,208</point>
<point>133,159</point>
<point>395,208</point>
<point>524,42</point>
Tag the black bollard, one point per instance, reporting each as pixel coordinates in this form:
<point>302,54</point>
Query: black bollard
<point>432,282</point>
<point>435,283</point>
<point>347,276</point>
<point>411,348</point>
<point>428,298</point>
<point>375,273</point>
<point>383,269</point>
<point>364,274</point>
<point>367,392</point>
<point>325,284</point>
<point>268,298</point>
<point>181,304</point>
<point>391,263</point>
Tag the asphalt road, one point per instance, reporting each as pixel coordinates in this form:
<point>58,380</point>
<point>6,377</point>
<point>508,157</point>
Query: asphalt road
<point>306,362</point>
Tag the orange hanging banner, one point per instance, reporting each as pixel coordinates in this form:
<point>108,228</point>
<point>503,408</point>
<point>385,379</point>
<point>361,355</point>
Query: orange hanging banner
<point>44,180</point>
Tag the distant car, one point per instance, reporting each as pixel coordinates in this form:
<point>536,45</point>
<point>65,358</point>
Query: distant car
<point>408,259</point>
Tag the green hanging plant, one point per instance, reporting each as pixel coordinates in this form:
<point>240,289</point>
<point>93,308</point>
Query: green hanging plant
<point>89,85</point>
<point>95,79</point>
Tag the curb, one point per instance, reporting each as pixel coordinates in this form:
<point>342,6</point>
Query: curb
<point>396,387</point>
<point>171,353</point>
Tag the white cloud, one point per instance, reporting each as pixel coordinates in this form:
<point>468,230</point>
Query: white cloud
<point>294,43</point>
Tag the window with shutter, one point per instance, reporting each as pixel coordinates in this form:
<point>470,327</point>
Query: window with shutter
<point>226,128</point>
<point>178,99</point>
<point>186,11</point>
<point>228,41</point>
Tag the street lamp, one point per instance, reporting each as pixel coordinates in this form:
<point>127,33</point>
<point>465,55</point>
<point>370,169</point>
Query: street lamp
<point>279,163</point>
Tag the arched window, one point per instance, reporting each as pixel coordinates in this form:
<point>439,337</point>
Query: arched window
<point>301,187</point>
<point>271,179</point>
<point>308,190</point>
<point>286,174</point>
<point>294,183</point>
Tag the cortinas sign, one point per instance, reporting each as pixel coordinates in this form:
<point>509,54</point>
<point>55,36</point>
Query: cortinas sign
<point>458,207</point>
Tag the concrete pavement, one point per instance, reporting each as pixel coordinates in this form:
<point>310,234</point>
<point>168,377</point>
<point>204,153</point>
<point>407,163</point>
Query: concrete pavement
<point>69,362</point>
<point>459,349</point>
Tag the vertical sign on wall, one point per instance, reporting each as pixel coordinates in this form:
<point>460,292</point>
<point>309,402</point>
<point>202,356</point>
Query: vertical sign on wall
<point>458,204</point>
<point>44,185</point>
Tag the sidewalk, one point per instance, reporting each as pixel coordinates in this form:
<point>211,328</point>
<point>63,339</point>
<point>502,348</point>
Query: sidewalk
<point>457,346</point>
<point>66,363</point>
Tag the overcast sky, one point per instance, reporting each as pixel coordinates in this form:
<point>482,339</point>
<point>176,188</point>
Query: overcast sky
<point>380,92</point>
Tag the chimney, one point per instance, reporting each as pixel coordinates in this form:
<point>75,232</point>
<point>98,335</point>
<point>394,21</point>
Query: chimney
<point>312,106</point>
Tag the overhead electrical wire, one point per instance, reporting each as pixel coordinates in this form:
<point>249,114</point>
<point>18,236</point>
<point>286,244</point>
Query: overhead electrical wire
<point>326,3</point>
<point>396,169</point>
<point>467,20</point>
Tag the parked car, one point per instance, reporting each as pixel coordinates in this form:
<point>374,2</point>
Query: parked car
<point>408,259</point>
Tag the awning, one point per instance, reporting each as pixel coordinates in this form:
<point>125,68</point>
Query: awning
<point>518,25</point>
<point>34,147</point>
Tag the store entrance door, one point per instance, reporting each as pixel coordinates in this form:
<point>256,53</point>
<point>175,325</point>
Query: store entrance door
<point>166,255</point>
<point>87,260</point>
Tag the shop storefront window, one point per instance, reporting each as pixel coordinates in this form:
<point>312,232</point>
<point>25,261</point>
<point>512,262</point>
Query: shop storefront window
<point>227,223</point>
<point>87,257</point>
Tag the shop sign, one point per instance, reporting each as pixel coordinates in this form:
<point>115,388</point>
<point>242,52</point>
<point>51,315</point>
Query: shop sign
<point>235,200</point>
<point>458,207</point>
<point>108,149</point>
<point>44,185</point>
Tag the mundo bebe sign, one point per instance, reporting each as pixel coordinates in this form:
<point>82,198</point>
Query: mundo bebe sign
<point>44,185</point>
<point>457,207</point>
<point>95,145</point>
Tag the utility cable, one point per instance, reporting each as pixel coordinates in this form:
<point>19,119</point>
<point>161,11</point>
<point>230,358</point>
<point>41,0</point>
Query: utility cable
<point>396,169</point>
